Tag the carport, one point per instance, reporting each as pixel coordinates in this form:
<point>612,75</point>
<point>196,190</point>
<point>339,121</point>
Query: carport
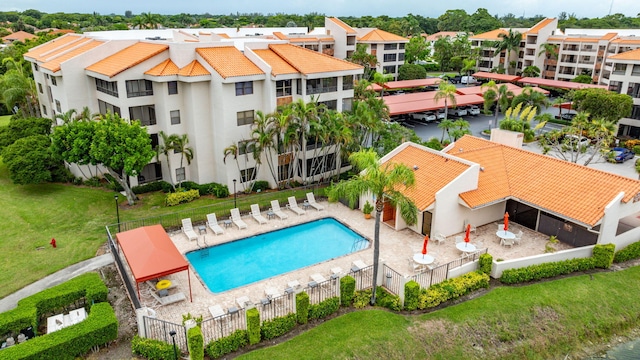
<point>496,76</point>
<point>418,102</point>
<point>515,89</point>
<point>567,85</point>
<point>151,254</point>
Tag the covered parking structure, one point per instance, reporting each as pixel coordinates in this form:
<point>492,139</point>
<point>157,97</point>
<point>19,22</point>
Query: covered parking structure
<point>496,76</point>
<point>515,89</point>
<point>566,85</point>
<point>151,254</point>
<point>407,84</point>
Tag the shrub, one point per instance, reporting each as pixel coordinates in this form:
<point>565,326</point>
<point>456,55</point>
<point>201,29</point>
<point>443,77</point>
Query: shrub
<point>181,197</point>
<point>387,299</point>
<point>631,144</point>
<point>411,293</point>
<point>603,255</point>
<point>636,149</point>
<point>112,183</point>
<point>153,186</point>
<point>546,270</point>
<point>452,289</point>
<point>195,342</point>
<point>261,185</point>
<point>227,344</point>
<point>629,253</point>
<point>347,290</point>
<point>151,349</point>
<point>324,308</point>
<point>302,307</point>
<point>361,298</point>
<point>486,262</point>
<point>221,191</point>
<point>253,326</point>
<point>278,326</point>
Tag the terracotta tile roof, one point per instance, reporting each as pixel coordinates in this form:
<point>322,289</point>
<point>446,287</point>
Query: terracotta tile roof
<point>537,27</point>
<point>127,58</point>
<point>435,171</point>
<point>627,41</point>
<point>165,68</point>
<point>54,44</point>
<point>309,39</point>
<point>280,35</point>
<point>627,55</point>
<point>309,62</point>
<point>223,35</point>
<point>535,179</point>
<point>18,36</point>
<point>609,36</point>
<point>441,34</point>
<point>378,35</point>
<point>490,35</point>
<point>328,39</point>
<point>278,65</point>
<point>62,49</point>
<point>343,25</point>
<point>54,63</point>
<point>194,69</point>
<point>229,61</point>
<point>555,38</point>
<point>580,39</point>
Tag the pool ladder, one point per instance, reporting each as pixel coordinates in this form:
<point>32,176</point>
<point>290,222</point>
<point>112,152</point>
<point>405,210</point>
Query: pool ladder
<point>359,244</point>
<point>204,249</point>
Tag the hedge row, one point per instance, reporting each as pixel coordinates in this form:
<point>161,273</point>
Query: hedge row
<point>347,290</point>
<point>279,326</point>
<point>452,289</point>
<point>219,190</point>
<point>228,344</point>
<point>180,197</point>
<point>151,349</point>
<point>31,308</point>
<point>99,328</point>
<point>324,308</point>
<point>631,252</point>
<point>602,258</point>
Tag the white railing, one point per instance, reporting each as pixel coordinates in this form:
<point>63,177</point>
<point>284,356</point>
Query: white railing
<point>499,266</point>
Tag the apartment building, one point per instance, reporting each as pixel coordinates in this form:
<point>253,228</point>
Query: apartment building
<point>206,85</point>
<point>623,72</point>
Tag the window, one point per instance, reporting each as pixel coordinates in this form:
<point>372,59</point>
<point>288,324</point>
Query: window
<point>245,117</point>
<point>107,87</point>
<point>634,90</point>
<point>401,57</point>
<point>58,107</point>
<point>402,46</point>
<point>390,46</point>
<point>180,174</point>
<point>40,88</point>
<point>246,147</point>
<point>54,82</point>
<point>44,109</point>
<point>105,107</point>
<point>248,174</point>
<point>615,86</point>
<point>324,85</point>
<point>636,70</point>
<point>173,87</point>
<point>389,69</point>
<point>347,104</point>
<point>137,88</point>
<point>244,88</point>
<point>299,86</point>
<point>330,104</point>
<point>347,82</point>
<point>175,117</point>
<point>154,140</point>
<point>389,57</point>
<point>146,114</point>
<point>619,69</point>
<point>35,67</point>
<point>283,88</point>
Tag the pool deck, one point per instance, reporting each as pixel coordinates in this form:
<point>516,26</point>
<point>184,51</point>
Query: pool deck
<point>396,249</point>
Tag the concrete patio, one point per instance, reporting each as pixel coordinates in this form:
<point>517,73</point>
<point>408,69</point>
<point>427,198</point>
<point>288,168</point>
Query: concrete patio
<point>396,249</point>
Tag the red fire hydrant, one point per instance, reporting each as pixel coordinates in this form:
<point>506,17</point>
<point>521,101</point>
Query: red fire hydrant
<point>53,242</point>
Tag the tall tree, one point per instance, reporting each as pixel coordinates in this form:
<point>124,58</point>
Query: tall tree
<point>416,50</point>
<point>17,88</point>
<point>165,147</point>
<point>446,92</point>
<point>180,144</point>
<point>498,95</point>
<point>509,43</point>
<point>387,182</point>
<point>529,96</point>
<point>601,103</point>
<point>362,57</point>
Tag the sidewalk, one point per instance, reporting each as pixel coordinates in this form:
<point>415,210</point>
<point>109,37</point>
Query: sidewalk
<point>11,301</point>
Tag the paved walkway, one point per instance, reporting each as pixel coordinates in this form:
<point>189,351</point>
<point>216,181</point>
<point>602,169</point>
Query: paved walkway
<point>11,301</point>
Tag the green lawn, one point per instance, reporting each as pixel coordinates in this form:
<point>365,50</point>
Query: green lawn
<point>542,321</point>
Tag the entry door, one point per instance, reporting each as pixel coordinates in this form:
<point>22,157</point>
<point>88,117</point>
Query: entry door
<point>426,223</point>
<point>388,212</point>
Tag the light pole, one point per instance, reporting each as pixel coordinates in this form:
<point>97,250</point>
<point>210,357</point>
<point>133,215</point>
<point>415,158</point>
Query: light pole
<point>235,205</point>
<point>115,197</point>
<point>173,338</point>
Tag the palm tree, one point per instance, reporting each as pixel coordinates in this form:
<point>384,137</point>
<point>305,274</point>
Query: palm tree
<point>550,51</point>
<point>362,57</point>
<point>446,125</point>
<point>165,147</point>
<point>381,79</point>
<point>531,71</point>
<point>447,92</point>
<point>67,117</point>
<point>386,182</point>
<point>179,144</point>
<point>510,43</point>
<point>17,88</point>
<point>531,97</point>
<point>494,94</point>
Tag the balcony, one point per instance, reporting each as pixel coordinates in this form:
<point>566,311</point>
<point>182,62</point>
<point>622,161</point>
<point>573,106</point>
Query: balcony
<point>284,100</point>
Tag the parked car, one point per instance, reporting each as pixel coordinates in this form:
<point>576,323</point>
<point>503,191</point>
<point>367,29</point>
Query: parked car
<point>468,80</point>
<point>459,111</point>
<point>440,115</point>
<point>473,110</point>
<point>576,141</point>
<point>568,116</point>
<point>426,116</point>
<point>621,155</point>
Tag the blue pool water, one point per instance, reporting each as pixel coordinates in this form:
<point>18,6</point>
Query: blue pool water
<point>241,262</point>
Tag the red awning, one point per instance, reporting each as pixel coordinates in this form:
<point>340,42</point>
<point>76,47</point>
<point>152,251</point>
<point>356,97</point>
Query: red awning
<point>495,76</point>
<point>409,84</point>
<point>559,84</point>
<point>413,105</point>
<point>151,254</point>
<point>515,89</point>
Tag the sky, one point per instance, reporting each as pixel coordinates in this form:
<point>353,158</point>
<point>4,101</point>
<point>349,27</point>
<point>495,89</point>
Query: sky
<point>548,8</point>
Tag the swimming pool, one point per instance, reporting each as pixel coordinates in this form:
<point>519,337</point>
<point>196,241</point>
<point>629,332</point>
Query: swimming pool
<point>241,262</point>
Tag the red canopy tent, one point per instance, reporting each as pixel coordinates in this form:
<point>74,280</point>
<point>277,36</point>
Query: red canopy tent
<point>151,254</point>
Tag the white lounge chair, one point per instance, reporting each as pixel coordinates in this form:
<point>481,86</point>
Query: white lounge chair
<point>275,207</point>
<point>170,299</point>
<point>293,206</point>
<point>311,199</point>
<point>212,223</point>
<point>187,229</point>
<point>237,219</point>
<point>255,212</point>
<point>216,311</point>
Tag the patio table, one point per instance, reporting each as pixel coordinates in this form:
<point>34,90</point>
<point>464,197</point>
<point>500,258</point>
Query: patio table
<point>505,235</point>
<point>466,247</point>
<point>423,259</point>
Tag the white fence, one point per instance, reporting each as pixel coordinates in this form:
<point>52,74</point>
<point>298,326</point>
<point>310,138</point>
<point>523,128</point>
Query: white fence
<point>499,266</point>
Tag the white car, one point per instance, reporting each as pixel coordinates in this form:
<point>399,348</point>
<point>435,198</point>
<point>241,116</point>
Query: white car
<point>440,114</point>
<point>473,110</point>
<point>459,111</point>
<point>425,116</point>
<point>576,141</point>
